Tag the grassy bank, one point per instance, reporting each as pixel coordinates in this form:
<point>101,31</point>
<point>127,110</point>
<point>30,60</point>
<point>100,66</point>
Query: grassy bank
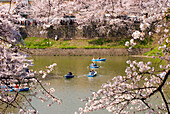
<point>41,43</point>
<point>153,52</point>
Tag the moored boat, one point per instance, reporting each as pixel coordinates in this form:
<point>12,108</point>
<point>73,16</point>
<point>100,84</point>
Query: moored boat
<point>21,89</point>
<point>11,89</point>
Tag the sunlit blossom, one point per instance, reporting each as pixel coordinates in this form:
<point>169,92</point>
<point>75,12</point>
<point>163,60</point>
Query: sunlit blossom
<point>136,35</point>
<point>127,43</point>
<point>166,30</point>
<point>52,89</point>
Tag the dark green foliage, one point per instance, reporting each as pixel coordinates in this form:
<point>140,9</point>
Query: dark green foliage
<point>146,41</point>
<point>154,52</point>
<point>168,15</point>
<point>122,42</point>
<point>23,33</point>
<point>50,33</point>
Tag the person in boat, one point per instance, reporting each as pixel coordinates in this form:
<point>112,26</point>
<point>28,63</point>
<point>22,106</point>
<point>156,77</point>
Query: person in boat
<point>16,86</point>
<point>99,58</point>
<point>93,64</point>
<point>27,70</point>
<point>69,73</point>
<point>92,72</point>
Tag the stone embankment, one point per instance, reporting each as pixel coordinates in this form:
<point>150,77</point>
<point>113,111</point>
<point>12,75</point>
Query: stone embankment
<point>87,52</point>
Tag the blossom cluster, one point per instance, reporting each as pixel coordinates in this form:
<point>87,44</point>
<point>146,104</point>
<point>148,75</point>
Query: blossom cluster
<point>47,71</point>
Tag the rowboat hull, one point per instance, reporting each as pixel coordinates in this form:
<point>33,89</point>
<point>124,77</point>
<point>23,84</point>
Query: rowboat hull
<point>98,59</point>
<point>21,89</point>
<point>11,89</point>
<point>69,76</point>
<point>94,66</point>
<point>92,75</point>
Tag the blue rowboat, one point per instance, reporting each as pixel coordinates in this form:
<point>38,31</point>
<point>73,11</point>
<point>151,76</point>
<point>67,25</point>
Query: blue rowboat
<point>24,89</point>
<point>11,89</point>
<point>69,76</point>
<point>92,74</point>
<point>99,59</point>
<point>94,66</point>
<point>21,89</point>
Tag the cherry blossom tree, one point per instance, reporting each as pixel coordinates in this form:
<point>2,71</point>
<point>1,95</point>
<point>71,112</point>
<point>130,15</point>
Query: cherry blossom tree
<point>51,12</point>
<point>143,82</point>
<point>14,68</point>
<point>83,10</point>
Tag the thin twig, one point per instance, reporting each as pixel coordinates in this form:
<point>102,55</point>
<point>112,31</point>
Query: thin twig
<point>44,88</point>
<point>167,107</point>
<point>28,101</point>
<point>147,105</point>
